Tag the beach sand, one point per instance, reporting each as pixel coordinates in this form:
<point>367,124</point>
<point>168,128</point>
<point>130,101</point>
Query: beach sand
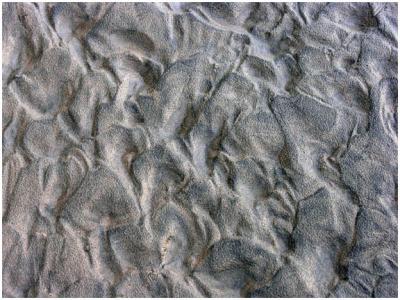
<point>199,150</point>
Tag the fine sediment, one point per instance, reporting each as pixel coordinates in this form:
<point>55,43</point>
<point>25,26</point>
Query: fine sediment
<point>199,150</point>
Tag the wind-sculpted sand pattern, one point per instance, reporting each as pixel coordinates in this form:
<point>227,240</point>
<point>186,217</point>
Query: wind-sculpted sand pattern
<point>199,150</point>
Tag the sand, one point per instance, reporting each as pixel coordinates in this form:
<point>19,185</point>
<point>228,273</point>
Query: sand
<point>199,150</point>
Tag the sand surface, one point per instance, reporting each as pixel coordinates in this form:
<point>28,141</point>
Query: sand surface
<point>199,150</point>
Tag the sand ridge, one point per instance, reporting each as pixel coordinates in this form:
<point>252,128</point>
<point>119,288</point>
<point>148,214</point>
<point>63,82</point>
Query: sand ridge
<point>199,150</point>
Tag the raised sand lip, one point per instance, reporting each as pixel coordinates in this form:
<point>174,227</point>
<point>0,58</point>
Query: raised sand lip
<point>199,150</point>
